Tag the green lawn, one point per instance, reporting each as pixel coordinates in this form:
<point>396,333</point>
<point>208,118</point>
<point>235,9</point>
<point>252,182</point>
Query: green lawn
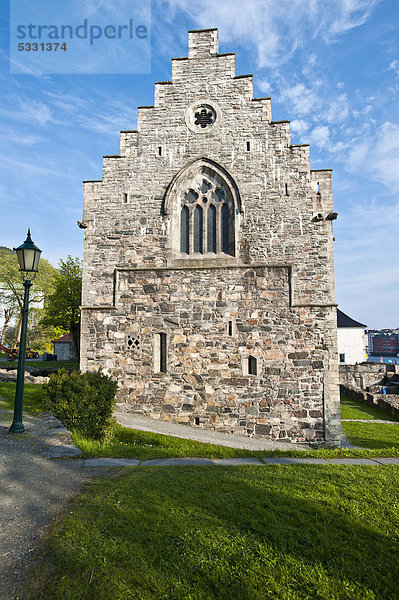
<point>370,435</point>
<point>131,443</point>
<point>70,365</point>
<point>32,397</point>
<point>354,409</point>
<point>238,533</point>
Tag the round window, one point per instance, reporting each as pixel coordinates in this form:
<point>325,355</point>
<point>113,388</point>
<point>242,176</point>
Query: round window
<point>201,117</point>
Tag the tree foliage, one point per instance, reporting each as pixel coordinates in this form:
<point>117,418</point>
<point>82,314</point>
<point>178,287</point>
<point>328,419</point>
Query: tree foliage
<point>12,289</point>
<point>62,307</point>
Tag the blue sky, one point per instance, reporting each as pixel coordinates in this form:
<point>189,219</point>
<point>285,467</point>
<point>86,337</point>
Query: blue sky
<point>330,66</point>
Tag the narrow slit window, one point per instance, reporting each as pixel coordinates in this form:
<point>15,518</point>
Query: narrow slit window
<point>248,146</point>
<point>162,352</point>
<point>230,328</point>
<point>225,226</point>
<point>286,189</point>
<point>125,198</point>
<point>252,366</point>
<point>184,230</point>
<point>159,150</point>
<point>198,229</point>
<point>211,229</point>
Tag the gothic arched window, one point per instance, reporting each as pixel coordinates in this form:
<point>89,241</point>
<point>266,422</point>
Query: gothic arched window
<point>202,204</point>
<point>207,218</point>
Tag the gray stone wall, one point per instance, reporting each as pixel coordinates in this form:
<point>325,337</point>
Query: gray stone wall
<point>367,375</point>
<point>277,286</point>
<point>63,350</point>
<point>364,382</point>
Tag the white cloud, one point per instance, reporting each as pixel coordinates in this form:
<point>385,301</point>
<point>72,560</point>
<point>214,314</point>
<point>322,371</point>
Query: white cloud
<point>386,157</point>
<point>8,136</point>
<point>338,147</point>
<point>299,126</point>
<point>394,66</point>
<point>338,109</point>
<point>34,112</point>
<point>277,28</point>
<point>34,169</point>
<point>265,86</point>
<point>351,13</point>
<point>320,136</point>
<point>367,280</point>
<point>377,154</point>
<point>304,100</point>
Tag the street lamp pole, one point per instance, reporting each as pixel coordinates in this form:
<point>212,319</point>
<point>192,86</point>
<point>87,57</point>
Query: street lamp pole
<point>17,425</point>
<point>28,257</point>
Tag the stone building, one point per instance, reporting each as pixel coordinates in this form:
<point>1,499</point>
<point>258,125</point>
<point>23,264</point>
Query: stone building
<point>208,281</point>
<point>63,348</point>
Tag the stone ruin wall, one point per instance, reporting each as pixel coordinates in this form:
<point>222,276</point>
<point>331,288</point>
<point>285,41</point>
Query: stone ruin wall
<point>364,381</point>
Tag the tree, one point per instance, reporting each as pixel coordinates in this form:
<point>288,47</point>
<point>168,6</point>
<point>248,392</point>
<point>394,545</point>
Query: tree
<point>8,309</point>
<point>12,290</point>
<point>62,307</point>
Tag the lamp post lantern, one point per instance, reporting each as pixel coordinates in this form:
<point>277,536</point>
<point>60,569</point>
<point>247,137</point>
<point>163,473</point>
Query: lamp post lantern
<point>28,257</point>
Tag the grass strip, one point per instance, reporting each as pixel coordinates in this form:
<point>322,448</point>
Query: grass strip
<point>53,366</point>
<point>131,443</point>
<point>238,533</point>
<point>32,397</point>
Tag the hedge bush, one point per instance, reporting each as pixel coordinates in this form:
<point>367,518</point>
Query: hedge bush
<point>84,402</point>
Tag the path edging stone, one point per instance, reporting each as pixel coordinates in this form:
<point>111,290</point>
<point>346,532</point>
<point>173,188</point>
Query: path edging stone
<point>266,461</point>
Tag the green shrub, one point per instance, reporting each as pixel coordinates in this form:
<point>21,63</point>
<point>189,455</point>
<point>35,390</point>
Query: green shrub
<point>84,402</point>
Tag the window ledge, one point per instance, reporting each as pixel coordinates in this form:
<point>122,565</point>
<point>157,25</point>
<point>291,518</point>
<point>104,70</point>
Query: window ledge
<point>205,260</point>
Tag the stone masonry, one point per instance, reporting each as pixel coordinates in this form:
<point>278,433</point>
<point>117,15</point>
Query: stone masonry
<point>208,280</point>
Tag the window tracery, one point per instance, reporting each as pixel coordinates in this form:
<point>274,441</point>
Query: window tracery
<point>207,218</point>
<point>202,207</point>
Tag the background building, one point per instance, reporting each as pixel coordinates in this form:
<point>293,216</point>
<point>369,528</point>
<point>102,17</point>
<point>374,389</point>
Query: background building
<point>352,340</point>
<point>384,342</point>
<point>63,348</point>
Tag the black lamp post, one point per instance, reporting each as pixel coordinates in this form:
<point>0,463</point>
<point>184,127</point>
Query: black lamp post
<point>28,257</point>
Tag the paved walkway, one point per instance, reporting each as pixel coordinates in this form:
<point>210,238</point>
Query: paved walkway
<point>234,462</point>
<point>372,421</point>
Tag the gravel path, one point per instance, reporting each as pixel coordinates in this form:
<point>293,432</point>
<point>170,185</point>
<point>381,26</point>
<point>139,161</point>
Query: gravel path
<point>33,490</point>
